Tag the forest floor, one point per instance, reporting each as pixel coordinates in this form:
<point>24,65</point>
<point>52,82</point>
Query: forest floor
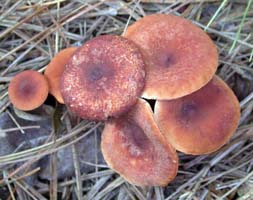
<point>45,155</point>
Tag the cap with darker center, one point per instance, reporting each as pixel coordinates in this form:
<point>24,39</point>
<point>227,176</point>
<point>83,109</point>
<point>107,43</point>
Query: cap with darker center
<point>180,58</point>
<point>28,90</point>
<point>103,78</point>
<point>98,75</point>
<point>95,74</point>
<point>133,146</point>
<point>201,122</point>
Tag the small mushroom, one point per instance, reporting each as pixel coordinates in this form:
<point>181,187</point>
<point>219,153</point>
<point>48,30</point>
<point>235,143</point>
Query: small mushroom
<point>133,146</point>
<point>55,70</point>
<point>103,78</point>
<point>201,122</point>
<point>180,58</point>
<point>28,90</point>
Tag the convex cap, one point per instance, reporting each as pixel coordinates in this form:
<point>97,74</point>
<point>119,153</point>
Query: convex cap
<point>28,90</point>
<point>133,146</point>
<point>201,122</point>
<point>55,69</point>
<point>103,78</point>
<point>180,58</point>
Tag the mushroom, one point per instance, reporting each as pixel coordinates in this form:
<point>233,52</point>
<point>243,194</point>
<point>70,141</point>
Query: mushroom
<point>201,122</point>
<point>180,58</point>
<point>133,146</point>
<point>103,78</point>
<point>28,90</point>
<point>55,70</point>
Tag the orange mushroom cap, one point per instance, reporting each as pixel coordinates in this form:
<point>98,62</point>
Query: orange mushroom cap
<point>134,147</point>
<point>55,70</point>
<point>201,122</point>
<point>103,78</point>
<point>28,90</point>
<point>180,58</point>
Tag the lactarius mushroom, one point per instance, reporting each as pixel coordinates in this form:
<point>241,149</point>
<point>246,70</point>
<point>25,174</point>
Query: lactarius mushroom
<point>55,70</point>
<point>103,78</point>
<point>134,147</point>
<point>180,58</point>
<point>28,90</point>
<point>201,122</point>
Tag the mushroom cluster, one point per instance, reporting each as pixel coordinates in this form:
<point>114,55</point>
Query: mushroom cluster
<point>161,57</point>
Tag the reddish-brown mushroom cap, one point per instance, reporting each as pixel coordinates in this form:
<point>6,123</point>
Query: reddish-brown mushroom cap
<point>134,147</point>
<point>103,78</point>
<point>180,58</point>
<point>201,122</point>
<point>28,90</point>
<point>55,70</point>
